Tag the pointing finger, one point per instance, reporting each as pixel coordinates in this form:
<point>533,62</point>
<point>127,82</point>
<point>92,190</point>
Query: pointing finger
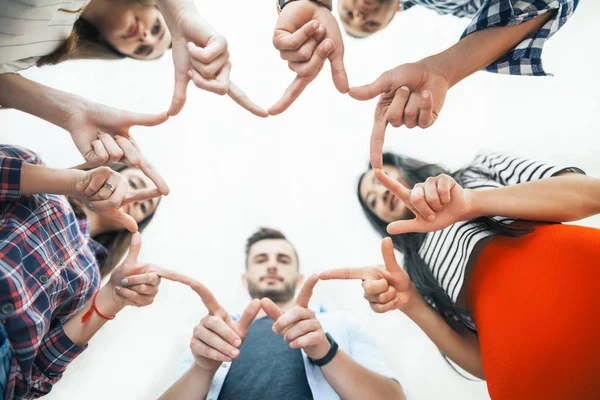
<point>389,258</point>
<point>243,100</point>
<point>248,316</point>
<point>398,189</point>
<point>179,94</point>
<point>141,195</point>
<point>350,273</point>
<point>134,248</point>
<point>270,308</point>
<point>291,94</point>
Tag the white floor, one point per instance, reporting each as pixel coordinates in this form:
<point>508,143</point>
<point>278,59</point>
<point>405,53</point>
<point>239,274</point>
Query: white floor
<point>231,173</point>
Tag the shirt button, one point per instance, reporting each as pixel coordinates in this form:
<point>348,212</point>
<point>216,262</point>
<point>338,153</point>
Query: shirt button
<point>43,279</point>
<point>8,308</point>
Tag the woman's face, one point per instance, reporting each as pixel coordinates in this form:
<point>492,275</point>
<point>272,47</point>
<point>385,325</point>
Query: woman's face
<point>362,18</point>
<point>380,200</point>
<point>139,210</point>
<point>136,30</point>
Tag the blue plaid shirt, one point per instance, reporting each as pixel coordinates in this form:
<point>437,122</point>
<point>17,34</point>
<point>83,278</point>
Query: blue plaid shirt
<point>526,57</point>
<point>49,269</point>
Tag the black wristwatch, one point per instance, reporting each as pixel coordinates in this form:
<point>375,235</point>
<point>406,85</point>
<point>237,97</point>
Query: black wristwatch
<point>330,354</point>
<point>282,3</point>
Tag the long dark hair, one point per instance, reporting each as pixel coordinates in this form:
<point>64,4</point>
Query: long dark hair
<point>116,243</point>
<point>415,171</point>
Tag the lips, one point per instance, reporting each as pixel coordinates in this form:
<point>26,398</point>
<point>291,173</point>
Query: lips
<point>133,30</point>
<point>271,278</point>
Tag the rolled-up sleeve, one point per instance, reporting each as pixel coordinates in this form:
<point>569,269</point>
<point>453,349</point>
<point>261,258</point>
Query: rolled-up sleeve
<point>11,162</point>
<point>54,355</point>
<point>509,170</point>
<point>526,57</point>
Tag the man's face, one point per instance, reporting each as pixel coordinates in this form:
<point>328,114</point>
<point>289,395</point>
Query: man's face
<point>362,18</point>
<point>272,270</point>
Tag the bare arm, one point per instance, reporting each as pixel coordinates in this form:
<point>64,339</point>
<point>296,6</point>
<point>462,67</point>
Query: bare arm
<point>33,98</point>
<point>353,381</point>
<point>41,179</point>
<point>193,385</point>
<point>569,197</point>
<point>463,348</point>
<point>480,49</point>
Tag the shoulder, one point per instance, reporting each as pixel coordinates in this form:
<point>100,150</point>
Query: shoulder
<point>21,153</point>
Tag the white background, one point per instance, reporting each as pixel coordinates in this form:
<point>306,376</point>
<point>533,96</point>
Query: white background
<point>231,173</point>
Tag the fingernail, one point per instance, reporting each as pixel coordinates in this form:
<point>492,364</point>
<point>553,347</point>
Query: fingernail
<point>124,282</point>
<point>90,206</point>
<point>274,330</point>
<point>117,288</point>
<point>404,88</point>
<point>237,342</point>
<point>327,45</point>
<point>235,352</point>
<point>190,74</point>
<point>315,25</point>
<point>293,345</point>
<point>431,217</point>
<point>425,95</point>
<point>321,29</point>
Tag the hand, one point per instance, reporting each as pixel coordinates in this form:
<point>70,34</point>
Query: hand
<point>217,337</point>
<point>306,35</point>
<point>411,95</point>
<point>93,188</point>
<point>385,289</point>
<point>101,134</point>
<point>201,55</point>
<point>436,204</point>
<point>298,325</point>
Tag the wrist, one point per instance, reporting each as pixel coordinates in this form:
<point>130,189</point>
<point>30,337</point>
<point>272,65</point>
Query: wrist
<point>107,301</point>
<point>414,305</point>
<point>475,200</point>
<point>318,351</point>
<point>442,64</point>
<point>38,179</point>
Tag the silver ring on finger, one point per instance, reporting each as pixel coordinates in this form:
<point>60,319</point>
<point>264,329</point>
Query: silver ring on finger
<point>109,186</point>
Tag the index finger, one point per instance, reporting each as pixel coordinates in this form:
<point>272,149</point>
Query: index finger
<point>307,290</point>
<point>209,300</point>
<point>141,195</point>
<point>350,273</point>
<point>398,189</point>
<point>243,100</point>
<point>291,94</point>
<point>151,172</point>
<point>380,124</point>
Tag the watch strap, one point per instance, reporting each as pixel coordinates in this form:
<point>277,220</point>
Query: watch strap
<point>330,354</point>
<point>282,3</point>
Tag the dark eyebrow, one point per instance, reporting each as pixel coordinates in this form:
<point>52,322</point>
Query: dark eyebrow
<point>284,255</point>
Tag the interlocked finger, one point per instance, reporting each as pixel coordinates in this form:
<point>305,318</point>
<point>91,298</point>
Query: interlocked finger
<point>114,151</point>
<point>395,114</point>
<point>411,111</point>
<point>130,153</point>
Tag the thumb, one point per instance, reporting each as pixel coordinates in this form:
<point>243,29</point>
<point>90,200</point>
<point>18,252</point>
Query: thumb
<point>121,217</point>
<point>307,290</point>
<point>372,90</point>
<point>338,71</point>
<point>248,316</point>
<point>179,94</point>
<point>147,119</point>
<point>270,308</point>
<point>134,248</point>
<point>389,258</point>
<point>408,226</point>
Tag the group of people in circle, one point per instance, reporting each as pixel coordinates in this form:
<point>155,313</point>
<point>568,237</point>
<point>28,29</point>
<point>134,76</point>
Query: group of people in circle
<point>490,273</point>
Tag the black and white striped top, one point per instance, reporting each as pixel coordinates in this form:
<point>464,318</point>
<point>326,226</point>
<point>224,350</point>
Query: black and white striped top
<point>447,252</point>
<point>30,29</point>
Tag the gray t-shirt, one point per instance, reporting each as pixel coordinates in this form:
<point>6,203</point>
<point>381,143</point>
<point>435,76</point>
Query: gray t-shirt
<point>267,368</point>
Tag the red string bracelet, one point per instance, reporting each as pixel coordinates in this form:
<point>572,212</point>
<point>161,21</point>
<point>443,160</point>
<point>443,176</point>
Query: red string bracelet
<point>93,308</point>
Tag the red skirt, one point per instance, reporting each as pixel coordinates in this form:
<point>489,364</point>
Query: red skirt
<point>536,303</point>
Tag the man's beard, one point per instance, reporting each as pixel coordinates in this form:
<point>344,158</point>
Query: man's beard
<point>277,296</point>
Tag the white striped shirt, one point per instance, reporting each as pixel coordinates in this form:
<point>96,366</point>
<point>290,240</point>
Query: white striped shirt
<point>30,29</point>
<point>447,251</point>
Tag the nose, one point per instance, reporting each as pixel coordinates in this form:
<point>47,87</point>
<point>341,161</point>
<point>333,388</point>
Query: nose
<point>272,269</point>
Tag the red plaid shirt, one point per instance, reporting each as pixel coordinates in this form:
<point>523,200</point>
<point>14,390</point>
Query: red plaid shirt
<point>49,268</point>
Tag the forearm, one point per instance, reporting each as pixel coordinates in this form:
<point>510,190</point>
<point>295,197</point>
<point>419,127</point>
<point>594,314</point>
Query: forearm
<point>33,98</point>
<point>353,381</point>
<point>479,49</point>
<point>81,332</point>
<point>193,385</point>
<point>569,197</point>
<point>41,179</point>
<point>463,350</point>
